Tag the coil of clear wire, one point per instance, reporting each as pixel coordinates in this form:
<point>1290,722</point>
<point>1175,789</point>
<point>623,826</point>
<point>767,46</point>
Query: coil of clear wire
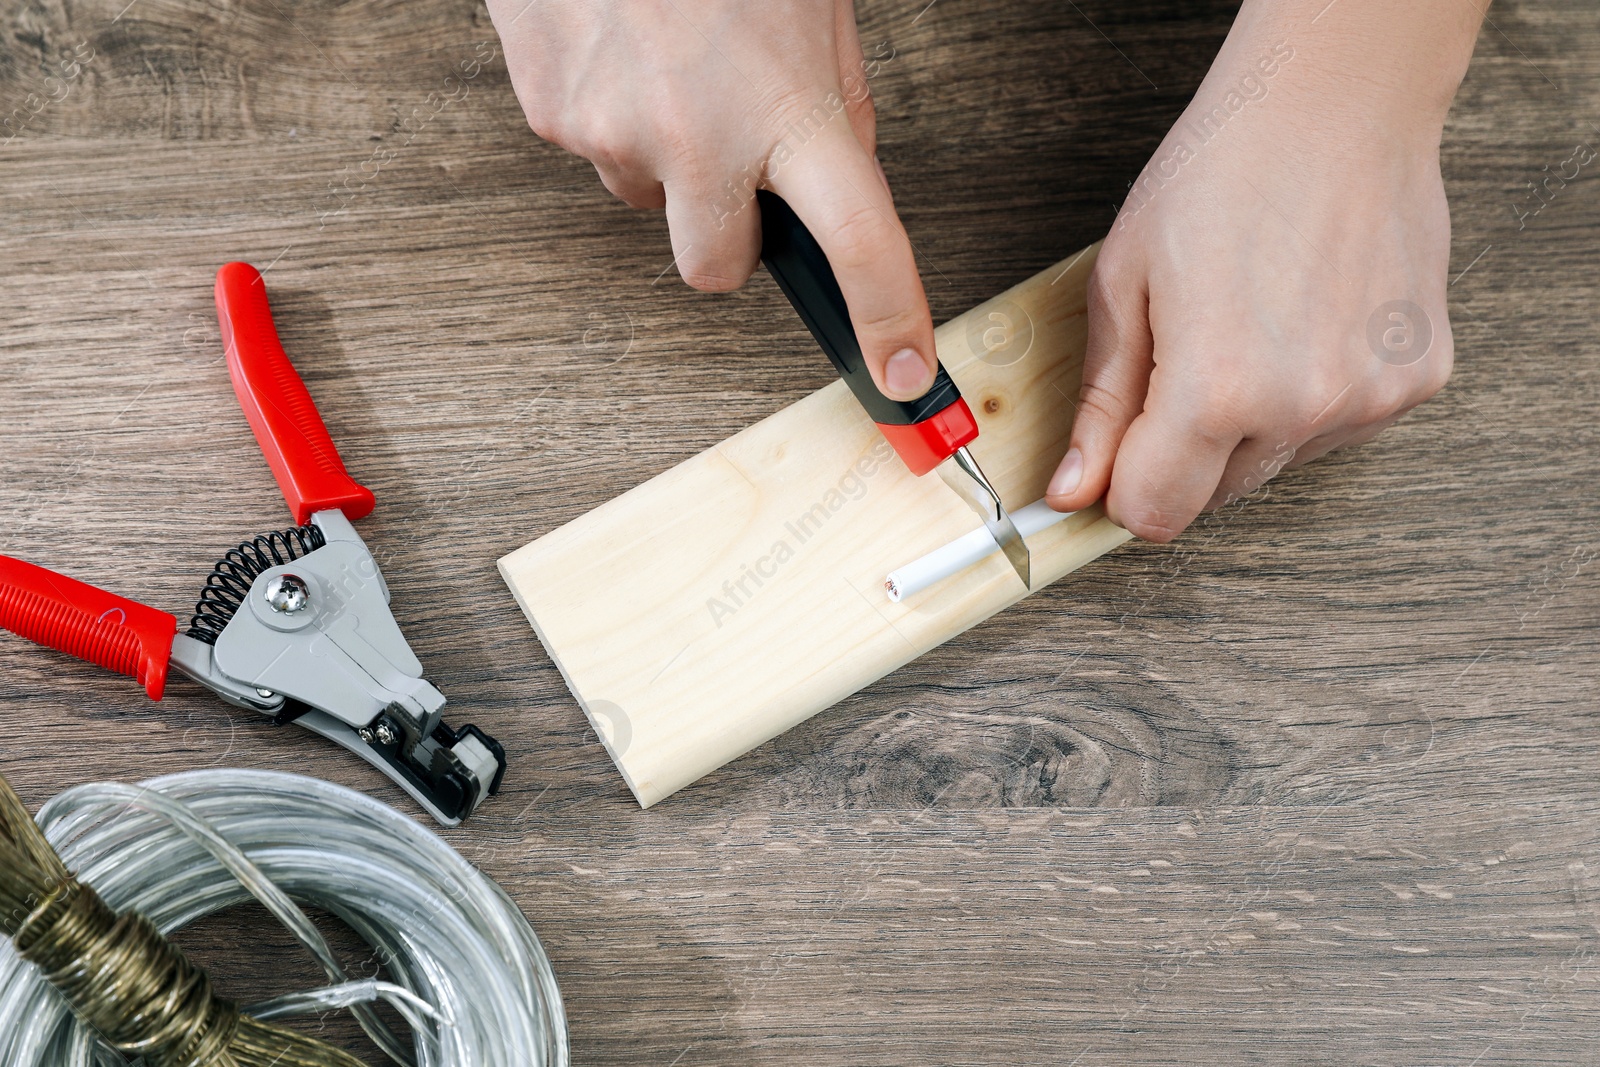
<point>465,970</point>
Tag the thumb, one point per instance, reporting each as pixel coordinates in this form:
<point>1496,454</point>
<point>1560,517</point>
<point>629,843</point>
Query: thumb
<point>1117,364</point>
<point>833,185</point>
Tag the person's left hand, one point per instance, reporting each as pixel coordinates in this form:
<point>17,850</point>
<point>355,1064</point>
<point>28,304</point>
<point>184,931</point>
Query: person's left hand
<point>1268,295</point>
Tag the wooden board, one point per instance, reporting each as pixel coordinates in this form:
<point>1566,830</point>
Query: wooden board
<point>738,594</point>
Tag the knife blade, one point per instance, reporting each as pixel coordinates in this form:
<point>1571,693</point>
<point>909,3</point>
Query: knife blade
<point>981,496</point>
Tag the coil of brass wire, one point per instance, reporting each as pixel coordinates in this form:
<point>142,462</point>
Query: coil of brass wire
<point>89,890</point>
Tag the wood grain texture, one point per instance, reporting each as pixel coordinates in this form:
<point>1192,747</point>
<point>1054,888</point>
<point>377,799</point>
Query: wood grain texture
<point>1315,784</point>
<point>740,593</point>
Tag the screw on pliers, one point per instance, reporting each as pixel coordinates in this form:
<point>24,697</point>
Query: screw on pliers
<point>294,624</point>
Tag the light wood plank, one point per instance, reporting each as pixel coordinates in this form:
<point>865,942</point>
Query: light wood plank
<point>741,592</point>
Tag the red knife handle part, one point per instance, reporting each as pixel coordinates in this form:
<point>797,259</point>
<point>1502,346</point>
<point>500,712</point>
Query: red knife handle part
<point>278,405</point>
<point>925,431</point>
<point>70,616</point>
<point>926,444</point>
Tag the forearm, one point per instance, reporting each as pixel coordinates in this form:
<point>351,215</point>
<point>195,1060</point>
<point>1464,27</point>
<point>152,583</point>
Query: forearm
<point>1360,66</point>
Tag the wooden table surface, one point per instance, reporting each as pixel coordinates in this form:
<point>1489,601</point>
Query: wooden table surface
<point>1316,784</point>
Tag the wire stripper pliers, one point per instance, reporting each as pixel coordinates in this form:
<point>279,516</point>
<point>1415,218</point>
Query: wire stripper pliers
<point>294,624</point>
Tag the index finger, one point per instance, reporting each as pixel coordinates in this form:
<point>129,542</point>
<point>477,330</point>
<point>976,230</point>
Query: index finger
<point>836,189</point>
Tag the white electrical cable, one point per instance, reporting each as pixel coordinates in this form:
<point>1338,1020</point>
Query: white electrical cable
<point>966,550</point>
<point>465,969</point>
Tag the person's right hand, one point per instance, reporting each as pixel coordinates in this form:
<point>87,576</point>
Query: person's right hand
<point>693,106</point>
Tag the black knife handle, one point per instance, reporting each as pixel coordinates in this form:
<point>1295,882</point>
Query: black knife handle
<point>797,263</point>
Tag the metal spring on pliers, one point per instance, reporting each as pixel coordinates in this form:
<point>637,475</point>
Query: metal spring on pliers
<point>229,581</point>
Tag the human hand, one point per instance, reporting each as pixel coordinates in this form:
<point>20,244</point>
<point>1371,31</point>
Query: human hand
<point>692,107</point>
<point>1231,306</point>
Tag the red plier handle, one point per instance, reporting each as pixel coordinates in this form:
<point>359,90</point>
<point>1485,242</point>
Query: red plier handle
<point>76,618</point>
<point>278,405</point>
<point>132,638</point>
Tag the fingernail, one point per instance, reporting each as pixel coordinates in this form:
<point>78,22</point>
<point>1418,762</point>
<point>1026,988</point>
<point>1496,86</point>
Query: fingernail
<point>906,374</point>
<point>1068,475</point>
